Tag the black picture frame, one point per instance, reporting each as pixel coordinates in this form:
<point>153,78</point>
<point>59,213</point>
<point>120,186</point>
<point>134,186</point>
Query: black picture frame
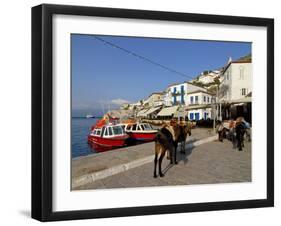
<point>42,111</point>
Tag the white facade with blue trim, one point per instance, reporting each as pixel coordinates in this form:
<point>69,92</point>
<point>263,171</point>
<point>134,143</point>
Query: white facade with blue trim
<point>198,105</point>
<point>177,94</point>
<point>196,100</point>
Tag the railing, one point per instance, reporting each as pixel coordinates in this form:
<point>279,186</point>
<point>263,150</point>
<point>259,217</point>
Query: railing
<point>194,103</point>
<point>178,93</point>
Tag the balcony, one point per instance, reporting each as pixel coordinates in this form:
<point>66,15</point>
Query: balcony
<point>194,103</point>
<point>178,93</point>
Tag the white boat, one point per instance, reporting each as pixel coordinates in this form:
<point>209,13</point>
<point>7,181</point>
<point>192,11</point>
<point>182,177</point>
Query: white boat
<point>140,131</point>
<point>107,135</point>
<point>89,116</point>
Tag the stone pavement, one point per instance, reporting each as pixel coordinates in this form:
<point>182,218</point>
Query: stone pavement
<point>86,165</point>
<point>213,162</point>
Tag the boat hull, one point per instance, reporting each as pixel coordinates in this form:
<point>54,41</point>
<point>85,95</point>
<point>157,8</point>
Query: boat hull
<point>142,136</point>
<point>119,141</point>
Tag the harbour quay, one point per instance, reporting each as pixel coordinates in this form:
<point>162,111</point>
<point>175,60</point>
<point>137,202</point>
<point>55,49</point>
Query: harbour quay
<point>206,161</point>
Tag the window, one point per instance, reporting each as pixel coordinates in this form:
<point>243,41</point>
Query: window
<point>117,130</point>
<point>175,98</point>
<point>146,127</point>
<point>196,99</point>
<point>208,99</point>
<point>134,127</point>
<point>204,98</point>
<point>139,127</point>
<point>105,132</point>
<point>191,116</point>
<point>109,131</point>
<point>241,70</point>
<point>102,131</point>
<point>182,94</point>
<point>191,100</point>
<point>243,91</point>
<point>98,132</point>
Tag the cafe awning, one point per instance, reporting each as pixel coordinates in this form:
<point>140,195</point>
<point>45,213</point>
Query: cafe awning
<point>141,113</point>
<point>243,100</point>
<point>151,110</point>
<point>180,112</point>
<point>168,111</point>
<point>201,106</point>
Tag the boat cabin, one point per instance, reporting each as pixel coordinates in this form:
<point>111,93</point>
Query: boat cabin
<point>108,131</point>
<point>138,127</point>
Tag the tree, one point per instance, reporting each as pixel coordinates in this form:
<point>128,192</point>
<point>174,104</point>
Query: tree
<point>198,83</point>
<point>212,89</point>
<point>217,81</point>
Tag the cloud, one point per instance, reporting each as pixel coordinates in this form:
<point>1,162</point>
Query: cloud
<point>81,106</point>
<point>119,101</point>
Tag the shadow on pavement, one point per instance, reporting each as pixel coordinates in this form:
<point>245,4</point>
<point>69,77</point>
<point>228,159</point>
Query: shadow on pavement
<point>181,156</point>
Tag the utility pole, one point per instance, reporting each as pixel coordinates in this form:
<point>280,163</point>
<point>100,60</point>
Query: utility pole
<point>214,118</point>
<point>215,110</point>
<point>220,112</point>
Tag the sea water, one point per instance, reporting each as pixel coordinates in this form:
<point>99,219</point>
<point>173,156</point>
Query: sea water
<point>80,128</point>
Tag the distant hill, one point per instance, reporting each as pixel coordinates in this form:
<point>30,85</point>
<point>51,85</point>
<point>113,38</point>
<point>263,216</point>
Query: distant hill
<point>211,84</point>
<point>245,58</point>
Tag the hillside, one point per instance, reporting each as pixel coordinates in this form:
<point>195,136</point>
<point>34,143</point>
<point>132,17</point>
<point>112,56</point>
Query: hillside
<point>245,58</point>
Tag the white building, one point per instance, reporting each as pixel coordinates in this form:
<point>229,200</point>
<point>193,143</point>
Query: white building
<point>198,105</point>
<point>209,77</point>
<point>154,100</point>
<point>236,82</point>
<point>195,100</point>
<point>205,79</point>
<point>176,94</point>
<point>136,105</point>
<point>235,89</point>
<point>167,97</point>
<point>125,106</point>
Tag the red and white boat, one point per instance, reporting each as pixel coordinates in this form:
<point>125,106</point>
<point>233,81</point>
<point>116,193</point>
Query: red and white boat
<point>107,135</point>
<point>140,131</point>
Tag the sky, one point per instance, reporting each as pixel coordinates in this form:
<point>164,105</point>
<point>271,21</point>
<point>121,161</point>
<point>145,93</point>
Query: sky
<point>103,76</point>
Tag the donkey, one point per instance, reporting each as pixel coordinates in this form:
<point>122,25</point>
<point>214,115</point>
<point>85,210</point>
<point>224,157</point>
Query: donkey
<point>236,131</point>
<point>166,139</point>
<point>221,130</point>
<point>185,129</point>
<point>240,129</point>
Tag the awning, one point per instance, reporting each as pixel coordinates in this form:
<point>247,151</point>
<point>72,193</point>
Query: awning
<point>240,104</point>
<point>168,111</point>
<point>201,106</point>
<point>237,101</point>
<point>141,113</point>
<point>243,100</point>
<point>151,110</point>
<point>180,114</point>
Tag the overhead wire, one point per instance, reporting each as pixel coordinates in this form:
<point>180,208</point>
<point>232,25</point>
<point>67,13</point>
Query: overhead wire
<point>141,57</point>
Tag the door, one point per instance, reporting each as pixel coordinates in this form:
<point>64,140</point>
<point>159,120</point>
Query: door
<point>196,116</point>
<point>191,116</point>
